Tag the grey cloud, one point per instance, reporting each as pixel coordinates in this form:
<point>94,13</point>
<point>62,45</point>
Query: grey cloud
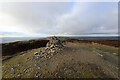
<point>62,18</point>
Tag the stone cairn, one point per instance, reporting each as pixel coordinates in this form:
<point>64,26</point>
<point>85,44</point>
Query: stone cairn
<point>52,48</point>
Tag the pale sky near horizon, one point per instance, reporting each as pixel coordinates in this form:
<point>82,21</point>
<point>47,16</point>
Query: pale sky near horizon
<point>58,18</point>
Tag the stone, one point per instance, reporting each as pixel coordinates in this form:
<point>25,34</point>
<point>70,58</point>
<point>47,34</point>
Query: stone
<point>38,67</point>
<point>13,71</point>
<point>28,58</point>
<point>36,74</point>
<point>37,57</point>
<point>25,70</point>
<point>53,46</point>
<point>36,53</point>
<point>12,68</point>
<point>19,75</point>
<point>54,42</point>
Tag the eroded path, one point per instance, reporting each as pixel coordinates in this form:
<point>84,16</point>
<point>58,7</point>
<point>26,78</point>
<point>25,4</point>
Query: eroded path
<point>76,53</point>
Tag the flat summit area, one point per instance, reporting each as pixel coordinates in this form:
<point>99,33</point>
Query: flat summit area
<point>61,58</point>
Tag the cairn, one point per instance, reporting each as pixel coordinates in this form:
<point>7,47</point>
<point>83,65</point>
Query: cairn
<point>53,46</point>
<point>54,42</point>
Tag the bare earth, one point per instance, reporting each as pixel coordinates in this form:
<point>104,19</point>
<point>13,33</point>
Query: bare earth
<point>74,53</point>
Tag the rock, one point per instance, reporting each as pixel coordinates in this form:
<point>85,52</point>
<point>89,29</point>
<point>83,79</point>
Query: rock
<point>52,47</point>
<point>30,69</point>
<point>36,74</point>
<point>28,58</point>
<point>36,53</point>
<point>38,67</point>
<point>51,54</point>
<point>22,54</point>
<point>19,75</point>
<point>18,64</point>
<point>5,71</point>
<point>13,71</point>
<point>54,42</point>
<point>65,69</point>
<point>25,70</point>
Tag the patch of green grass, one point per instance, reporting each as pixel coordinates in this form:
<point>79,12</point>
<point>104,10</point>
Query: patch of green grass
<point>101,48</point>
<point>19,59</point>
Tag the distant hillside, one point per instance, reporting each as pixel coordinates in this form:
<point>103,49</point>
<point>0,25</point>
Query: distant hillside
<point>114,43</point>
<point>14,39</point>
<point>94,38</point>
<point>14,47</point>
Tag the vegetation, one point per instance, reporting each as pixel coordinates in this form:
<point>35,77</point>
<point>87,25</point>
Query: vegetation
<point>101,48</point>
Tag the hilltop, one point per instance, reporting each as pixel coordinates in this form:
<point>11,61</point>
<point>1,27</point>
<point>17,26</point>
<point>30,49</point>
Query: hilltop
<point>56,57</point>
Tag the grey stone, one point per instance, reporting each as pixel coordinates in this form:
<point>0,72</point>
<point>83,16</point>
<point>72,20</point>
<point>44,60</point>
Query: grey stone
<point>36,53</point>
<point>19,75</point>
<point>38,67</point>
<point>52,47</point>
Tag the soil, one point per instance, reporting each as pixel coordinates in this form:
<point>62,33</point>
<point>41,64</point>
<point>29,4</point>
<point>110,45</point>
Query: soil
<point>74,53</point>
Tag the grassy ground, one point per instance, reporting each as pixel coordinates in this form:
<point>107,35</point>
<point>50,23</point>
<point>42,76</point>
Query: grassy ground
<point>15,60</point>
<point>101,48</point>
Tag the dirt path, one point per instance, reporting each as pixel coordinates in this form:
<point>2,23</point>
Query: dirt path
<point>77,53</point>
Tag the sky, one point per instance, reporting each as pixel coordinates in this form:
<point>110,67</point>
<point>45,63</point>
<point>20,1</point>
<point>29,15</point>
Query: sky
<point>58,18</point>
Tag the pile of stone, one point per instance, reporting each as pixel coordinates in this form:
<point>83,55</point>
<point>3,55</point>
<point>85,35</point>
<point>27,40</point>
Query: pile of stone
<point>52,47</point>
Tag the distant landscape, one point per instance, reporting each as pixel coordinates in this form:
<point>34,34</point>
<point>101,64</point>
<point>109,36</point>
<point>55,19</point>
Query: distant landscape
<point>13,39</point>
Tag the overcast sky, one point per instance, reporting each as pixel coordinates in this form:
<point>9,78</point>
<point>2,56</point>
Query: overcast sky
<point>58,18</point>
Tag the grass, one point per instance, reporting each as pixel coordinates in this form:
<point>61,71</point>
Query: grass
<point>18,59</point>
<point>30,64</point>
<point>101,48</point>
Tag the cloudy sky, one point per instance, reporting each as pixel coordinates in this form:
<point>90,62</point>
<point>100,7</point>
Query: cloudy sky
<point>58,18</point>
